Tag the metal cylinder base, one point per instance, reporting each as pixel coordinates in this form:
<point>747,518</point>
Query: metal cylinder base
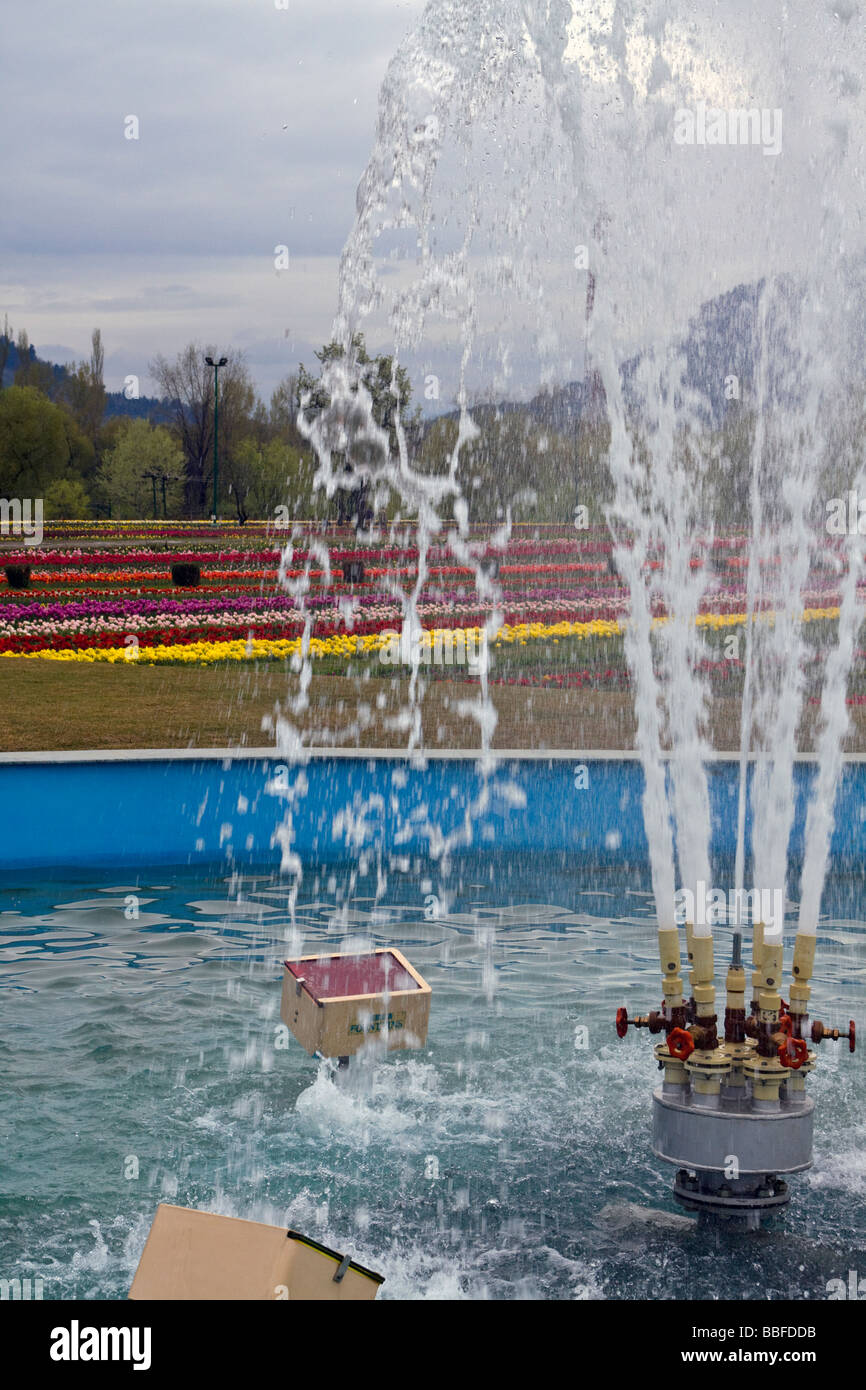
<point>745,1201</point>
<point>730,1156</point>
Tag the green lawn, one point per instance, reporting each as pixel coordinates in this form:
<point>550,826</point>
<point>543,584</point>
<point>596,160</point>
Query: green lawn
<point>51,705</point>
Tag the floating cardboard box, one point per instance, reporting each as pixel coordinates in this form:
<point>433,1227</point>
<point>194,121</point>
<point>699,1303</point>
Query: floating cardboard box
<point>196,1255</point>
<point>335,1004</point>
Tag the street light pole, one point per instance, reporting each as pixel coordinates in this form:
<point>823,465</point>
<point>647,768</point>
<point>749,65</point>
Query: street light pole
<point>216,371</point>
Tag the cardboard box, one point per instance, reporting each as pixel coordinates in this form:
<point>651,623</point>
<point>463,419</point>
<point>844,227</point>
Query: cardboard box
<point>194,1254</point>
<point>336,1004</point>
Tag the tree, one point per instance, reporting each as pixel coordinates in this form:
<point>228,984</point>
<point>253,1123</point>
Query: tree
<point>34,444</point>
<point>132,473</point>
<point>285,404</point>
<point>66,499</point>
<point>261,479</point>
<point>729,467</point>
<point>85,389</point>
<point>187,385</point>
<point>31,372</point>
<point>80,451</point>
<point>389,407</point>
<point>5,345</point>
<point>515,464</point>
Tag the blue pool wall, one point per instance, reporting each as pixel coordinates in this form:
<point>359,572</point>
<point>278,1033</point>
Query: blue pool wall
<point>195,808</point>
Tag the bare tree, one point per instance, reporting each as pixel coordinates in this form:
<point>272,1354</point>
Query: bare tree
<point>187,385</point>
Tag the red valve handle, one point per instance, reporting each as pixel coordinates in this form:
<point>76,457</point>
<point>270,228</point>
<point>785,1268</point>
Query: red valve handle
<point>680,1044</point>
<point>793,1053</point>
<point>621,1022</point>
<point>785,1024</point>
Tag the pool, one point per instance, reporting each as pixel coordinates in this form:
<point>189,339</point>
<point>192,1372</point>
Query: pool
<point>510,1159</point>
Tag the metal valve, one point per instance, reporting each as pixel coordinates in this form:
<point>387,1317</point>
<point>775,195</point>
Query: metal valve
<point>680,1044</point>
<point>820,1033</point>
<point>655,1022</point>
<point>793,1053</point>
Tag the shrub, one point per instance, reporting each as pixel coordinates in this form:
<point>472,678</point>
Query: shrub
<point>185,575</point>
<point>18,576</point>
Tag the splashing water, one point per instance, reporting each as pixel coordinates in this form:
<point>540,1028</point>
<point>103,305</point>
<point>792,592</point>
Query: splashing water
<point>492,1167</point>
<point>530,154</point>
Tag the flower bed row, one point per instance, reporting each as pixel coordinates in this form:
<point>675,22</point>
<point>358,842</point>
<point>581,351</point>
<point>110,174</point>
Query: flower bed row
<point>551,584</point>
<point>210,649</point>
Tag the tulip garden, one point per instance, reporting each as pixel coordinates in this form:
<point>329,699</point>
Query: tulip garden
<point>102,592</point>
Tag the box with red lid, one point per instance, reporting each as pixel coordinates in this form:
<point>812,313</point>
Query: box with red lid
<point>336,1004</point>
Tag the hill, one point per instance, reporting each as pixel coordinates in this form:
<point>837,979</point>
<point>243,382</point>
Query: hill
<point>116,403</point>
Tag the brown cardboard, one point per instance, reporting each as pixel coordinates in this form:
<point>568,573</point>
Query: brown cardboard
<point>340,1026</point>
<point>197,1255</point>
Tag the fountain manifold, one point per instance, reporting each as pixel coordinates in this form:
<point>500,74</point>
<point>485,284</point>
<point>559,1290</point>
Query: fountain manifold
<point>732,1112</point>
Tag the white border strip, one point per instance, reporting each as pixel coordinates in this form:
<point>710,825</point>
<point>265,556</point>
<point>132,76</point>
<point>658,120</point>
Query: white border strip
<point>229,755</point>
<point>233,755</point>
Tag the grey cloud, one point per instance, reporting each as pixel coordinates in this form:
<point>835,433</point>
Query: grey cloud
<point>255,126</point>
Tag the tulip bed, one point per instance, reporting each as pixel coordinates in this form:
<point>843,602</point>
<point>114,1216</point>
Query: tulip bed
<point>102,592</point>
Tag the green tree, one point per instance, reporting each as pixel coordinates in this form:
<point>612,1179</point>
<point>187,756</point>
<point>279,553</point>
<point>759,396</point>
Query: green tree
<point>34,442</point>
<point>132,473</point>
<point>516,464</point>
<point>283,413</point>
<point>66,499</point>
<point>390,392</point>
<point>80,451</point>
<point>263,478</point>
<point>85,389</point>
<point>728,454</point>
<point>31,372</point>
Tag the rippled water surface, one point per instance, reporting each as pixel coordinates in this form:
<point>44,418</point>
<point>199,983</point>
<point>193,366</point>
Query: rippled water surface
<point>510,1159</point>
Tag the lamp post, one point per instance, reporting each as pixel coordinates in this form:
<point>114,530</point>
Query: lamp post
<point>216,374</point>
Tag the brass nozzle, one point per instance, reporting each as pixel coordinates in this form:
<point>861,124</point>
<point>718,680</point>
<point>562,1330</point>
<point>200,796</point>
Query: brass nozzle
<point>669,956</point>
<point>801,989</point>
<point>757,958</point>
<point>704,987</point>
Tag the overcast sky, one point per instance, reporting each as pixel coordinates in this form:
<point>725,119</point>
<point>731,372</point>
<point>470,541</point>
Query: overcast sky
<point>254,124</point>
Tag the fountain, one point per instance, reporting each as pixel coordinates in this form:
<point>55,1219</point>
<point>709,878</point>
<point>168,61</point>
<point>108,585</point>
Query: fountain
<point>552,198</point>
<point>660,191</point>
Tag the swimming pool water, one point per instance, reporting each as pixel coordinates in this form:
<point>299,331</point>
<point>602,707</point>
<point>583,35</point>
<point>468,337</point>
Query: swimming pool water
<point>142,1062</point>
